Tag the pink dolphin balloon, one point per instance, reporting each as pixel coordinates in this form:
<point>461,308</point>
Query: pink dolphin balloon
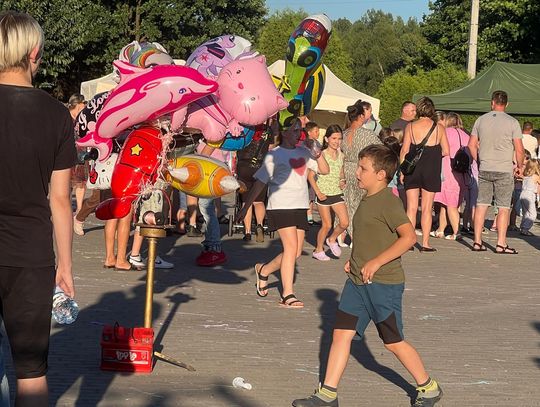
<point>246,96</point>
<point>146,94</point>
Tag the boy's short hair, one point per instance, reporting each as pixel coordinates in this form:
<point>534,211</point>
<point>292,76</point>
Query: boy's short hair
<point>310,126</point>
<point>19,35</point>
<point>383,158</point>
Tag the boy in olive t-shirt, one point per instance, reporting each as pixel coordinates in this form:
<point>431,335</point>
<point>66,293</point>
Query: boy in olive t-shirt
<point>374,290</point>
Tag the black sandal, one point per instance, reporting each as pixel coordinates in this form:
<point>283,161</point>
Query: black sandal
<point>478,247</point>
<point>505,250</point>
<point>290,304</point>
<point>260,278</point>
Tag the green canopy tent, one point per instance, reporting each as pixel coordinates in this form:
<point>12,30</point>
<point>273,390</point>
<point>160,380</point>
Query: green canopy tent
<point>520,81</point>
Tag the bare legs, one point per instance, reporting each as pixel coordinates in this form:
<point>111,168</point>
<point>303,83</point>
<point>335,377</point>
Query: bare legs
<point>117,229</point>
<point>426,217</point>
<point>292,240</point>
<point>344,331</point>
<point>325,213</point>
<point>453,216</point>
<point>32,392</point>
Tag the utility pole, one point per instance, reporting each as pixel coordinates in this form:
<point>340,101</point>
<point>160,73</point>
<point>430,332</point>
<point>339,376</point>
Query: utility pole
<point>473,39</point>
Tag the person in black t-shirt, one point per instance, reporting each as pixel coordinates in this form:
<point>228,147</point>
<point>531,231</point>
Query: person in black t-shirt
<point>38,151</point>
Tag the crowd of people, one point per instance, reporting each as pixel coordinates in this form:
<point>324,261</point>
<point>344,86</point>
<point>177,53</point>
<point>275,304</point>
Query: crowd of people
<point>368,184</point>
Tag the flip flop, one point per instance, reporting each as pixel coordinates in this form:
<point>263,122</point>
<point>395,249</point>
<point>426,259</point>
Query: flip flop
<point>291,304</point>
<point>123,269</point>
<point>106,266</point>
<point>260,290</point>
<point>505,250</point>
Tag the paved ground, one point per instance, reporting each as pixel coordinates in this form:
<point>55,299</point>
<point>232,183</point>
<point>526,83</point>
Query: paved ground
<point>474,317</point>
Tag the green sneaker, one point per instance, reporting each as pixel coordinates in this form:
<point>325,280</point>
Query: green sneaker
<point>428,398</point>
<point>316,400</point>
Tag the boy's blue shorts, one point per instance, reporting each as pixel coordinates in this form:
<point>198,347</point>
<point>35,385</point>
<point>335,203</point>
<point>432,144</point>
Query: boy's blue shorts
<point>380,303</point>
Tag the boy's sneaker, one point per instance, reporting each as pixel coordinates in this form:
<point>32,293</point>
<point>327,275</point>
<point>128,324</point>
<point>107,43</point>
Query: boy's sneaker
<point>210,258</point>
<point>247,237</point>
<point>428,395</point>
<point>162,264</point>
<point>316,400</point>
<point>194,231</point>
<point>137,261</point>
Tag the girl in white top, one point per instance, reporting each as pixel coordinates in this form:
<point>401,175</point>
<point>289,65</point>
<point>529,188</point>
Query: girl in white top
<point>285,170</point>
<point>531,185</point>
<point>329,191</point>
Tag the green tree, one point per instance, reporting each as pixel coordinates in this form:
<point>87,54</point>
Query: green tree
<point>379,45</point>
<point>83,37</point>
<point>402,85</point>
<point>275,35</point>
<point>508,31</point>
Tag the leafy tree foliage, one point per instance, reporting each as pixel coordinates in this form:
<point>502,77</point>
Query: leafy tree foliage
<point>508,31</point>
<point>401,86</point>
<point>379,45</point>
<point>83,37</point>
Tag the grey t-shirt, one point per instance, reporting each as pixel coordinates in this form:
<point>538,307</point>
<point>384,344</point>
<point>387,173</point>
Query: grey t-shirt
<point>496,132</point>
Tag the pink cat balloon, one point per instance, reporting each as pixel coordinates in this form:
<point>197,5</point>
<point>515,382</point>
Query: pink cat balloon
<point>146,94</point>
<point>246,96</point>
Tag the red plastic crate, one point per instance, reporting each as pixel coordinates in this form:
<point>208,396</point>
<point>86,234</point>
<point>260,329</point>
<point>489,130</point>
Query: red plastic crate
<point>127,349</point>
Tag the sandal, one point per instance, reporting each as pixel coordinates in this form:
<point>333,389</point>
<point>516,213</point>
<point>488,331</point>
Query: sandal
<point>437,234</point>
<point>290,301</point>
<point>259,279</point>
<point>505,250</point>
<point>478,247</point>
<point>526,233</point>
<point>424,249</point>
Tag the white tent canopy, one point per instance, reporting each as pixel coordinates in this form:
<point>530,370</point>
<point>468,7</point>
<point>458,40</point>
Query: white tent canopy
<point>337,95</point>
<point>91,88</point>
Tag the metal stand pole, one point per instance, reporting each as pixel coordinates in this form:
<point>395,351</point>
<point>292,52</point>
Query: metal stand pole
<point>152,234</point>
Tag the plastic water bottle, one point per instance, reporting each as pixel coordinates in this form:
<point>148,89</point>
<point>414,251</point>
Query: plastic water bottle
<point>65,309</point>
<point>239,383</point>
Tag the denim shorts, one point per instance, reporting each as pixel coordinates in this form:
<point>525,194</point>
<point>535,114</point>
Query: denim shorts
<point>495,187</point>
<point>380,303</point>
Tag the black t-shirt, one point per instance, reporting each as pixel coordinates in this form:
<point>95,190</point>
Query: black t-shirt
<point>36,138</point>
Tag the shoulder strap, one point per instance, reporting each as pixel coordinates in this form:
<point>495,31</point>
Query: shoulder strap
<point>459,136</point>
<point>424,141</point>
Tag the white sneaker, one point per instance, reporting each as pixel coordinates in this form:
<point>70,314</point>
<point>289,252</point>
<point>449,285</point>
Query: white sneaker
<point>341,243</point>
<point>78,227</point>
<point>137,261</point>
<point>162,264</point>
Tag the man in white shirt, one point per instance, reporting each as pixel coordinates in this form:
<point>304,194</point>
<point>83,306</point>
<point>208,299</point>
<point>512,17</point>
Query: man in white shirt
<point>530,143</point>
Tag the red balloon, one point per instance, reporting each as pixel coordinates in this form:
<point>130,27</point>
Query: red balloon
<point>114,208</point>
<point>138,162</point>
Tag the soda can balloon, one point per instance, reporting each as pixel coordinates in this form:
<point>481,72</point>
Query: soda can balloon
<point>304,54</point>
<point>210,57</point>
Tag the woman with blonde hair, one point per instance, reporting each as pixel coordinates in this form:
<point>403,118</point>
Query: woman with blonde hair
<point>454,185</point>
<point>428,136</point>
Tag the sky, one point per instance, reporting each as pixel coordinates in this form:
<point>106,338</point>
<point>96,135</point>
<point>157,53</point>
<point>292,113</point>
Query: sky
<point>354,9</point>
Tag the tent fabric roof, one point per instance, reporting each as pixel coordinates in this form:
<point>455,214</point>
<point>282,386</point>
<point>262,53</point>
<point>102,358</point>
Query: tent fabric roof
<point>337,95</point>
<point>520,81</point>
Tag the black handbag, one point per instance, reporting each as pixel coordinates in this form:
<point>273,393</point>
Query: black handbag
<point>412,157</point>
<point>461,162</point>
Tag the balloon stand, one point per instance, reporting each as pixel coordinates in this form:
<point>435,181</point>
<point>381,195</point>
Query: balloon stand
<point>152,233</point>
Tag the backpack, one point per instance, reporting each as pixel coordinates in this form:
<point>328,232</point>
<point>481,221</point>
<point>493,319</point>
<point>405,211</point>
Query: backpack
<point>462,161</point>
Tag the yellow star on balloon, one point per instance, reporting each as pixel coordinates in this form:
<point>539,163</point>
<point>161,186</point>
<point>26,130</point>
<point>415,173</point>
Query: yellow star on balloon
<point>136,149</point>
